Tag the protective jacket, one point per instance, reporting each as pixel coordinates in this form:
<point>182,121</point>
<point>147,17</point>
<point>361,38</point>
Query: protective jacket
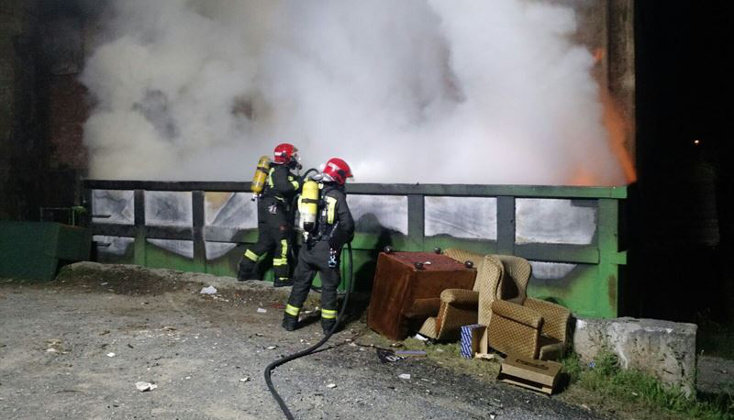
<point>275,221</point>
<point>322,253</point>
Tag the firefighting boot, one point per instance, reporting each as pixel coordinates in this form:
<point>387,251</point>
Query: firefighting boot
<point>282,282</point>
<point>290,322</point>
<point>328,325</point>
<point>246,270</point>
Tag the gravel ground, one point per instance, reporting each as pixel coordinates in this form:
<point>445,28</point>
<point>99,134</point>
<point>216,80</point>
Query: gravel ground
<point>76,347</point>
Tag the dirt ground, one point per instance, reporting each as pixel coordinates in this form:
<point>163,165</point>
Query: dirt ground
<point>76,347</point>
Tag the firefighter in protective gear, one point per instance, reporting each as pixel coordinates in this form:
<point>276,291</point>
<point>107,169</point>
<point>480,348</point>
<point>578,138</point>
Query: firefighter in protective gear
<point>321,250</point>
<point>275,218</point>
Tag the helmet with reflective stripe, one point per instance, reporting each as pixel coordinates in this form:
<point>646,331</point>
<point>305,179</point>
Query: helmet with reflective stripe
<point>338,170</point>
<point>284,153</point>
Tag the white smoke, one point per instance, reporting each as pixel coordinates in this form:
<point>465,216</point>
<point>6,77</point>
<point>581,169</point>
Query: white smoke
<point>446,91</point>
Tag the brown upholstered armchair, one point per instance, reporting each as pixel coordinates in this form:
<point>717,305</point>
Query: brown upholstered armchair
<point>462,307</point>
<point>522,325</point>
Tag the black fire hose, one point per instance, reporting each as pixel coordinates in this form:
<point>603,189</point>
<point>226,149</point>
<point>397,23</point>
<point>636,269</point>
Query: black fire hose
<point>286,359</point>
<point>305,174</point>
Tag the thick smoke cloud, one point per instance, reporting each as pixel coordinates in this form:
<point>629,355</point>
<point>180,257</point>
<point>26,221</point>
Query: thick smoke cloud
<point>442,91</point>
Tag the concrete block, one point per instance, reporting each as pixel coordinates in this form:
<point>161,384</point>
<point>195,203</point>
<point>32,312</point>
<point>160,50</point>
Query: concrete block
<point>663,349</point>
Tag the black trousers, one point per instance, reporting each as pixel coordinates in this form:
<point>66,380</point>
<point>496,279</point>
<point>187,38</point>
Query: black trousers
<point>311,260</point>
<point>275,236</point>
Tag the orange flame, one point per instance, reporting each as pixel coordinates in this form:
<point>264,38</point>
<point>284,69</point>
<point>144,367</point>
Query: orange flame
<point>618,127</point>
<point>583,178</point>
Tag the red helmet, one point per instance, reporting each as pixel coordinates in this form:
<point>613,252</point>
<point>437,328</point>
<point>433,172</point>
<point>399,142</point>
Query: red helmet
<point>338,170</point>
<point>284,153</point>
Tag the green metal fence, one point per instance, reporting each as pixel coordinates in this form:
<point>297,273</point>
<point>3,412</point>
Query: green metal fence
<point>589,285</point>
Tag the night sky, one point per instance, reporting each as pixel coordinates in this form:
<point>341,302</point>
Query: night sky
<point>684,70</point>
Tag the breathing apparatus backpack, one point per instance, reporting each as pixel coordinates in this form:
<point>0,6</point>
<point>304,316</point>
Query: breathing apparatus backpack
<point>308,206</point>
<point>261,174</point>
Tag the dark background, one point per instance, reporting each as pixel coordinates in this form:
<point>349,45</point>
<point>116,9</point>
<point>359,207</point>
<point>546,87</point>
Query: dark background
<point>681,214</point>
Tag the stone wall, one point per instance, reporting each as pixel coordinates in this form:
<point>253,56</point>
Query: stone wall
<point>42,106</point>
<point>20,139</point>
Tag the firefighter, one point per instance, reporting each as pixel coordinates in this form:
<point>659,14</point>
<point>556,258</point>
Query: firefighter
<point>322,247</point>
<point>275,218</point>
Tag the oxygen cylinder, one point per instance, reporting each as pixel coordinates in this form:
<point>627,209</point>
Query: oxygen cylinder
<point>261,173</point>
<point>308,205</point>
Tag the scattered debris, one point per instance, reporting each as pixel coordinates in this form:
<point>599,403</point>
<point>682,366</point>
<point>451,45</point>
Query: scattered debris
<point>245,379</point>
<point>110,354</point>
<point>420,337</point>
<point>331,386</point>
<point>209,290</point>
<point>55,345</point>
<point>537,375</point>
<point>470,337</point>
<point>404,376</point>
<point>271,347</point>
<point>261,310</point>
<point>105,332</point>
<point>145,386</point>
<point>387,356</point>
<point>391,356</point>
<point>411,353</point>
<point>398,344</point>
